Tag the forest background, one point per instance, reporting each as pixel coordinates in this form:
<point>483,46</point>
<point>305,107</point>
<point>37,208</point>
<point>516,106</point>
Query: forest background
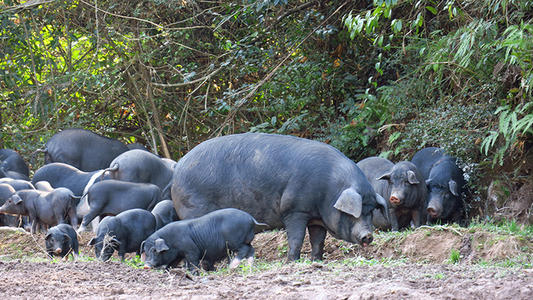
<point>375,77</point>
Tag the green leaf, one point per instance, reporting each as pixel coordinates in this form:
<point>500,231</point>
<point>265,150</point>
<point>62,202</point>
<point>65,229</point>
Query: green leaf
<point>432,9</point>
<point>393,137</point>
<point>396,25</point>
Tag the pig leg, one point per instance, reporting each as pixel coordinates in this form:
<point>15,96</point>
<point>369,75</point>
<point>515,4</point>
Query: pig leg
<point>295,224</point>
<point>241,254</point>
<point>208,265</point>
<point>394,221</point>
<point>416,217</point>
<point>192,261</point>
<point>250,256</point>
<point>33,226</point>
<point>122,251</point>
<point>73,218</point>
<point>317,235</point>
<point>94,224</point>
<point>95,211</point>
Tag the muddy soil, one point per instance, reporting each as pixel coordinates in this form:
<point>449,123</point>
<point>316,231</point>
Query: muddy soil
<point>291,281</point>
<point>394,267</point>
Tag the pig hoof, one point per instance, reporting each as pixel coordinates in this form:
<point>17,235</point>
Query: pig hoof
<point>234,263</point>
<point>250,261</point>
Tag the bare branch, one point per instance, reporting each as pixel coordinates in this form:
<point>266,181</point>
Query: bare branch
<point>203,79</point>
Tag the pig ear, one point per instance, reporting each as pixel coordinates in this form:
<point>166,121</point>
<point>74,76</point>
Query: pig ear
<point>453,188</point>
<point>160,245</point>
<point>350,202</point>
<point>16,199</point>
<point>411,177</point>
<point>48,235</point>
<point>92,242</point>
<point>381,201</point>
<point>142,248</point>
<point>385,176</point>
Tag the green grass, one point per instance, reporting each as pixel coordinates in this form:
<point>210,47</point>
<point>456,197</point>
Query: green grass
<point>521,261</point>
<point>509,227</point>
<point>134,262</point>
<point>455,256</point>
<point>361,261</point>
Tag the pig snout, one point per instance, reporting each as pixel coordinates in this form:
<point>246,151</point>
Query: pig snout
<point>58,251</point>
<point>433,212</point>
<point>434,208</point>
<point>366,240</point>
<point>394,200</point>
<point>361,231</point>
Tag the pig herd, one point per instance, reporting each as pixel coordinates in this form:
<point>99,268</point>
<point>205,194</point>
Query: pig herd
<point>208,205</point>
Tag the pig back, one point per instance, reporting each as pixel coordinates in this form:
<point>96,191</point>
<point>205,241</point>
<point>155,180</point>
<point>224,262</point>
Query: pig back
<point>426,158</point>
<point>373,167</point>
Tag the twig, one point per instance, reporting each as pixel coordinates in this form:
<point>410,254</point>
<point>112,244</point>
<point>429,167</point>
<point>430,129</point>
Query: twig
<point>28,4</point>
<point>203,79</point>
<point>440,227</point>
<point>120,16</point>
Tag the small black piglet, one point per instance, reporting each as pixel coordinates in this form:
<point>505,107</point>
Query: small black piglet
<point>62,240</point>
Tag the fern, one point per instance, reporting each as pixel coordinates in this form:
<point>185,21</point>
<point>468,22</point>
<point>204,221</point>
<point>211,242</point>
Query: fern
<point>512,124</point>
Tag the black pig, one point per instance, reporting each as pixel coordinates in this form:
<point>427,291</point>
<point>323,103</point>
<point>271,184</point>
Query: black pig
<point>402,185</point>
<point>445,182</point>
<point>206,239</point>
<point>61,240</point>
<point>124,233</point>
<point>284,181</point>
<point>111,197</point>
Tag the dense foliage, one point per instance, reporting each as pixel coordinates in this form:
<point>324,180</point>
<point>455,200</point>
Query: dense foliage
<point>369,77</point>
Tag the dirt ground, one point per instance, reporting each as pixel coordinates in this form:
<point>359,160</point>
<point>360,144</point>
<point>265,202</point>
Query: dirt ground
<point>402,266</point>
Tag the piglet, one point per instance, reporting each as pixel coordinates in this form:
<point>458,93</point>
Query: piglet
<point>208,239</point>
<point>62,240</point>
<point>123,233</point>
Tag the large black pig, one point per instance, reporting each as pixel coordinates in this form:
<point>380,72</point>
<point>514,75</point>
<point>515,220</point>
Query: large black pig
<point>445,182</point>
<point>284,181</point>
<point>208,239</point>
<point>402,185</point>
<point>83,149</point>
<point>111,197</point>
<point>124,233</point>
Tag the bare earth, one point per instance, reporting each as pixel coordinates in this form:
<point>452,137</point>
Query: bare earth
<point>400,274</point>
